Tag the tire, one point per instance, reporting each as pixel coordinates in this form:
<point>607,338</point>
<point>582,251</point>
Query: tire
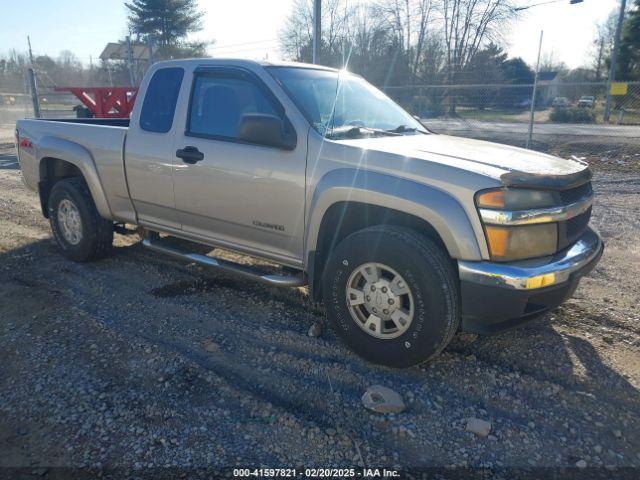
<point>95,234</point>
<point>425,272</point>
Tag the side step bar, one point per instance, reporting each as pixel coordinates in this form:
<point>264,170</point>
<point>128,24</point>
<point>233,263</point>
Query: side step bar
<point>152,242</point>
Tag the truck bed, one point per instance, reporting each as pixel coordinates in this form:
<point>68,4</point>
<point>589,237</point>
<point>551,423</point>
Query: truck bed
<point>102,139</point>
<point>108,122</point>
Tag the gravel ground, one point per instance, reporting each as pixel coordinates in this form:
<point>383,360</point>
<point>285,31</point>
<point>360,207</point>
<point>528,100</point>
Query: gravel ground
<point>141,361</point>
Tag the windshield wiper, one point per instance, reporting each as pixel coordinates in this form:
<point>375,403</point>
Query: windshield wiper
<point>351,131</point>
<point>405,129</point>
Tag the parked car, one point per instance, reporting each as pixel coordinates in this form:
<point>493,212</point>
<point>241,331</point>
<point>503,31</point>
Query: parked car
<point>7,100</point>
<point>560,102</point>
<point>587,101</point>
<point>405,235</point>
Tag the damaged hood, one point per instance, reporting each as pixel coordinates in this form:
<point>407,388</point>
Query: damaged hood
<point>510,165</point>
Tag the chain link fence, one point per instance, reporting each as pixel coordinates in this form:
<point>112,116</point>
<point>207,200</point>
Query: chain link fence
<point>18,103</point>
<point>13,106</point>
<point>58,104</point>
<point>568,117</point>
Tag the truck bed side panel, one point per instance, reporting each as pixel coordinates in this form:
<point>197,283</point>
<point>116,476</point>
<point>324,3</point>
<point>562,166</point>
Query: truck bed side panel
<point>104,145</point>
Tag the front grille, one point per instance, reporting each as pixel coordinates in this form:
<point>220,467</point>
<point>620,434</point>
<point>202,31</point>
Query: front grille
<point>574,194</point>
<point>570,230</point>
<point>577,224</point>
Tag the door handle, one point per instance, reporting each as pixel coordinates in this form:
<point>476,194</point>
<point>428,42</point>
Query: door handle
<point>190,155</point>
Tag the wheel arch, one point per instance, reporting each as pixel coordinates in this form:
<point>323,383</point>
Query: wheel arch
<point>350,200</point>
<point>59,159</point>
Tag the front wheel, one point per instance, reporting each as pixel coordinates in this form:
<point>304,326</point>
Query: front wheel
<point>79,230</point>
<point>392,295</point>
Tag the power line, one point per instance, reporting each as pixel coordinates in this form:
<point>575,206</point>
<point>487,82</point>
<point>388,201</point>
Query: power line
<point>571,2</point>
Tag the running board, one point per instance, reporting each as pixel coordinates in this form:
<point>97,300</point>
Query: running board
<point>284,280</point>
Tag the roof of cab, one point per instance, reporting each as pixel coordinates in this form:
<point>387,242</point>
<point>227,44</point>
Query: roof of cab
<point>242,61</point>
<point>268,63</point>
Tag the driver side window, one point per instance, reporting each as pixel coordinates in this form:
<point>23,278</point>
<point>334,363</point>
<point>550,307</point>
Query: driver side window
<point>218,104</point>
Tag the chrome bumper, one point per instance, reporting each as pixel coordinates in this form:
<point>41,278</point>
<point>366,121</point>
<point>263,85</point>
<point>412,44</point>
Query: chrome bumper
<point>538,273</point>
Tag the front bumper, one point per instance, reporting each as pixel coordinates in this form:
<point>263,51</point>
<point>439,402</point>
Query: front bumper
<point>497,296</point>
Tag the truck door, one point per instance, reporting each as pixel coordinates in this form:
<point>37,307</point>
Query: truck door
<point>244,196</point>
<point>149,150</point>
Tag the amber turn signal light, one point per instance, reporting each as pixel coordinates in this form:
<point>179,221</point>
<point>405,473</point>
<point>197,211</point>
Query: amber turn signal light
<point>497,238</point>
<point>491,199</point>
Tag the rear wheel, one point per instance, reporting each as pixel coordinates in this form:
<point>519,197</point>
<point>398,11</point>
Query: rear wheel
<point>79,230</point>
<point>392,295</point>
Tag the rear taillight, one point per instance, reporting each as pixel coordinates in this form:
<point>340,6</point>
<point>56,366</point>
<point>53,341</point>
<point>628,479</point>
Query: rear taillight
<point>22,142</point>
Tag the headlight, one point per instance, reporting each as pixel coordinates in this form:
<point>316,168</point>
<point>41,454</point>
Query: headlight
<point>515,199</point>
<point>518,242</point>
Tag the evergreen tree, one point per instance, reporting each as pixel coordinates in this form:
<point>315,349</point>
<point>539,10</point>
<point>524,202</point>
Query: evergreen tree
<point>628,67</point>
<point>515,71</point>
<point>167,22</point>
<point>485,68</point>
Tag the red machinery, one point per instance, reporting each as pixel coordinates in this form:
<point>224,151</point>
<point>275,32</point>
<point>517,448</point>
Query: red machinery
<point>105,102</point>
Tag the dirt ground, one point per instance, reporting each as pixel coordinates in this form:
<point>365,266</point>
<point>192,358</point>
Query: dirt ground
<point>140,361</point>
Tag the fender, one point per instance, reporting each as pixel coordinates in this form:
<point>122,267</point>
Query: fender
<point>442,211</point>
<point>77,155</point>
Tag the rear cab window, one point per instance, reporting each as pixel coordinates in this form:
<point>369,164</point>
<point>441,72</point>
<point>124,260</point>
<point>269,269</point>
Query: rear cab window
<point>160,100</point>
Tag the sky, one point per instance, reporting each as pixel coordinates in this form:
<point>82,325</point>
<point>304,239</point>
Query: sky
<point>249,28</point>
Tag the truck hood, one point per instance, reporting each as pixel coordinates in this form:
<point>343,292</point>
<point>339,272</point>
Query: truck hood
<point>510,165</point>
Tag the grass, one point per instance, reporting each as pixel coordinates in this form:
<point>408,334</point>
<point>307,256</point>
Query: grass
<point>491,115</point>
<point>542,116</point>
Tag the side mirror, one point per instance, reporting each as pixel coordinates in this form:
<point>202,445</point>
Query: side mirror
<point>266,130</point>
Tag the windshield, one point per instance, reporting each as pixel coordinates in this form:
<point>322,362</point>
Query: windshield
<point>339,101</point>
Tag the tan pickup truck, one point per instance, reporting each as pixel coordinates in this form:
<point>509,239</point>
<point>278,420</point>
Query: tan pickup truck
<point>405,235</point>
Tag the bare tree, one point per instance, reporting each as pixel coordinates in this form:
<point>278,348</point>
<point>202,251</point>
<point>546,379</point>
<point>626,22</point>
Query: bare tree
<point>368,36</point>
<point>409,20</point>
<point>425,8</point>
<point>296,36</point>
<point>374,48</point>
<point>468,25</point>
<point>12,71</point>
<point>603,43</point>
<point>398,41</point>
<point>550,63</point>
<point>471,24</point>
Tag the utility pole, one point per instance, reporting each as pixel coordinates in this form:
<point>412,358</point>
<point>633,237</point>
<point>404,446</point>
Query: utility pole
<point>132,77</point>
<point>317,30</point>
<point>614,60</point>
<point>150,47</point>
<point>34,93</point>
<point>30,51</point>
<point>33,83</point>
<point>533,97</point>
